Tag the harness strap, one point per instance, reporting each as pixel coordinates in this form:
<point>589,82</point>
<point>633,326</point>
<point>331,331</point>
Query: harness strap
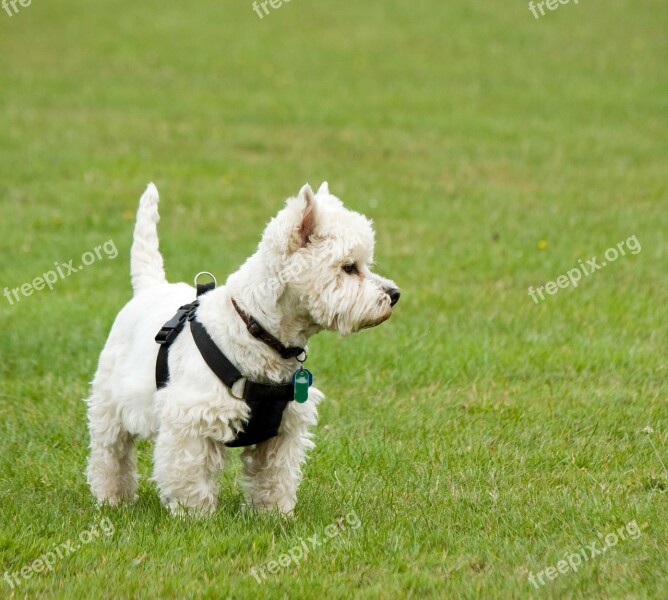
<point>170,331</point>
<point>212,355</point>
<point>166,336</point>
<point>229,374</point>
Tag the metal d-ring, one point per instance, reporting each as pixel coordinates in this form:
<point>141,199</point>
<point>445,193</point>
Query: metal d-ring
<point>302,361</point>
<point>205,273</point>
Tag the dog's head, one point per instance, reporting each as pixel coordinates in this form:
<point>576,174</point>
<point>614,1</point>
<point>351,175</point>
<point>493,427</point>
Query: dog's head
<point>321,254</point>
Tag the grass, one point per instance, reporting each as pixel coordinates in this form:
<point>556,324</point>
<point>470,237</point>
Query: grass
<point>478,437</point>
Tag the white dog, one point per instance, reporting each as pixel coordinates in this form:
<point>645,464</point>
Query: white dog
<point>310,272</point>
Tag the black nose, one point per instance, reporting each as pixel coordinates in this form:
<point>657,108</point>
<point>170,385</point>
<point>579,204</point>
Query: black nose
<point>394,295</point>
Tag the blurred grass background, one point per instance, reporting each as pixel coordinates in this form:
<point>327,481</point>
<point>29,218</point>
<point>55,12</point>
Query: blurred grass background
<point>478,436</point>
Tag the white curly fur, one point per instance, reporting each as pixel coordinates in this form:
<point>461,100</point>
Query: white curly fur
<point>295,286</point>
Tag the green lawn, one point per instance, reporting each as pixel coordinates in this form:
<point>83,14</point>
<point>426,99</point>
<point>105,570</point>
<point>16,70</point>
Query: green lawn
<point>477,437</point>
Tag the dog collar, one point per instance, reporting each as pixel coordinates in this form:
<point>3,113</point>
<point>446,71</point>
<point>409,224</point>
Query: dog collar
<point>260,333</point>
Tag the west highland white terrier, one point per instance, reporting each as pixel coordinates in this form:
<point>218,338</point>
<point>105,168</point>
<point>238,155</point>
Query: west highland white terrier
<point>234,375</point>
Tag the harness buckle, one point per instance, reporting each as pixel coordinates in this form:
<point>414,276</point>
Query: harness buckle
<point>190,315</point>
<point>166,335</point>
<point>171,329</point>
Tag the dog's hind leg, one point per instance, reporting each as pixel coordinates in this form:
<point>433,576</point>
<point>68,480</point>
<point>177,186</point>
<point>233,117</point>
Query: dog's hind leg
<point>111,472</point>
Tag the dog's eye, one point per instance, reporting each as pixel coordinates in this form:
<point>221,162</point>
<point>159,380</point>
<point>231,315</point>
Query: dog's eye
<point>350,268</point>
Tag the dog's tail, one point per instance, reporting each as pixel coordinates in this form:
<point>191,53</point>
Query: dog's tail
<point>146,266</point>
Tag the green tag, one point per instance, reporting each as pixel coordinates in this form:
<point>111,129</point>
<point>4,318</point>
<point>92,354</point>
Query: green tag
<point>302,380</point>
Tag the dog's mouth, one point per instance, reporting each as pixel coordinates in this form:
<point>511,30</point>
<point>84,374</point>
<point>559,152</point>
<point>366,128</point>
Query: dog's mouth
<point>375,322</point>
<point>356,327</point>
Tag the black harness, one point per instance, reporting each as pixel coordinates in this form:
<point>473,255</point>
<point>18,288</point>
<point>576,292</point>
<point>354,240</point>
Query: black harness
<point>266,401</point>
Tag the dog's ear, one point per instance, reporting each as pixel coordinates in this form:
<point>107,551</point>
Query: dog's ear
<point>306,225</point>
<point>323,189</point>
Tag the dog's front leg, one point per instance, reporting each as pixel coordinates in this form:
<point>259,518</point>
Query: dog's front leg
<point>188,459</point>
<point>186,471</point>
<point>273,469</point>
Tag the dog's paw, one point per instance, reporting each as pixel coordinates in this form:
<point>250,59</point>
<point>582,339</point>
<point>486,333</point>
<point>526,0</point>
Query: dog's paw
<point>285,510</point>
<point>115,500</point>
<point>182,511</point>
